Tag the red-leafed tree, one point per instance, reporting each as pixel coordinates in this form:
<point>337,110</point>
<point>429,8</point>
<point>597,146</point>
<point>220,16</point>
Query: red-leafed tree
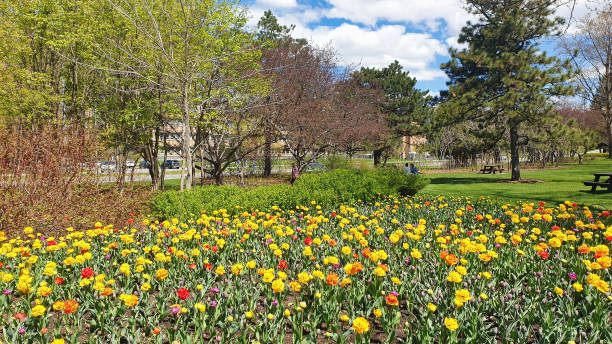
<point>358,122</point>
<point>303,80</point>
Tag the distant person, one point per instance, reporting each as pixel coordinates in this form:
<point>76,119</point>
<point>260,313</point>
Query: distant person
<point>413,169</point>
<point>295,173</point>
<point>406,169</point>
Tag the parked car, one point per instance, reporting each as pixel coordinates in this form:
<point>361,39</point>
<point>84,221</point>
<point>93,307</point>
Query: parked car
<point>130,163</point>
<point>173,164</point>
<point>144,164</point>
<point>107,166</point>
<point>314,166</point>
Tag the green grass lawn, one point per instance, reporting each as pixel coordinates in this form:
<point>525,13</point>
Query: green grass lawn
<point>560,184</point>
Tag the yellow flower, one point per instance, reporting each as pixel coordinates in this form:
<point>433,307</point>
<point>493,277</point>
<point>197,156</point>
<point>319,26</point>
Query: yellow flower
<point>483,296</point>
<point>377,312</point>
<point>125,269</point>
<point>463,295</point>
<point>344,318</point>
<point>38,311</point>
<point>431,307</point>
<point>58,305</point>
<point>416,254</point>
<point>380,272</point>
<point>145,286</point>
<point>270,316</point>
<point>451,324</point>
<point>454,276</point>
<point>200,307</point>
<point>58,341</point>
<point>160,274</point>
<point>462,270</point>
<point>237,268</point>
<point>558,291</point>
<point>43,291</point>
<point>129,300</point>
<point>361,325</point>
<point>278,286</point>
<point>220,270</point>
<point>249,314</point>
<point>486,275</point>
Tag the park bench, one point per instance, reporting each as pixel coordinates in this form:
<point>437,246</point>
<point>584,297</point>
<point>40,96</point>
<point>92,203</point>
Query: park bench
<point>488,169</point>
<point>594,184</point>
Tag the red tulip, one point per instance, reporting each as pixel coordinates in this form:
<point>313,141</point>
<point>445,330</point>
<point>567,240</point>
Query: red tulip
<point>87,272</point>
<point>183,293</point>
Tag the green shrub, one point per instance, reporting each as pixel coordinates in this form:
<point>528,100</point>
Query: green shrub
<point>335,162</point>
<point>330,188</point>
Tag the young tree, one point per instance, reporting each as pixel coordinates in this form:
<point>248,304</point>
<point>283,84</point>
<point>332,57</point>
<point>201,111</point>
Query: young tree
<point>358,123</point>
<point>502,80</point>
<point>179,42</point>
<point>303,79</point>
<point>590,50</point>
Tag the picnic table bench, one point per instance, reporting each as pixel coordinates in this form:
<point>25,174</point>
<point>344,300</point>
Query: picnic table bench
<point>594,184</point>
<point>488,169</point>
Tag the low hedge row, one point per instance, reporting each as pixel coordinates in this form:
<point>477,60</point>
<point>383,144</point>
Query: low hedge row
<point>330,188</point>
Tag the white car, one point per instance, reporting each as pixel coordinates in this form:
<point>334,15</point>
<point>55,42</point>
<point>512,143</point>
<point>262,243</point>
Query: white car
<point>107,166</point>
<point>130,163</point>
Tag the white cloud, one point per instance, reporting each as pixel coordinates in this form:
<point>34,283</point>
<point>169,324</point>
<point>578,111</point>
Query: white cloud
<point>370,43</point>
<point>433,94</point>
<point>380,47</point>
<point>427,13</point>
<point>276,3</point>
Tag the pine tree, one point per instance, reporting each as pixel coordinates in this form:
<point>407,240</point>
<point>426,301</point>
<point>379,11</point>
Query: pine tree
<point>270,34</point>
<point>502,80</point>
<point>405,107</point>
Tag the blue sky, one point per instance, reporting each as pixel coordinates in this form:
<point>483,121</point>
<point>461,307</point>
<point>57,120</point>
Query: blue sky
<point>373,33</point>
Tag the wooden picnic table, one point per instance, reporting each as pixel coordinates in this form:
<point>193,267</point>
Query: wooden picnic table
<point>488,169</point>
<point>594,184</point>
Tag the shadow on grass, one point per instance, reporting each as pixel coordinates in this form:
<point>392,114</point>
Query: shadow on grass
<point>462,180</point>
<point>596,192</point>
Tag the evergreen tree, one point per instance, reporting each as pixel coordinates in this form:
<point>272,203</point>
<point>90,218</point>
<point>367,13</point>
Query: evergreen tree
<point>502,80</point>
<point>405,107</point>
<point>270,31</point>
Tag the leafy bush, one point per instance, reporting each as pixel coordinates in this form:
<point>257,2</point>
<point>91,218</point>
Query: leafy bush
<point>327,188</point>
<point>335,162</point>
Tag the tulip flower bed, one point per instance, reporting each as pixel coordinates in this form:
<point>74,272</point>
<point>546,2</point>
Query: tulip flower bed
<point>401,270</point>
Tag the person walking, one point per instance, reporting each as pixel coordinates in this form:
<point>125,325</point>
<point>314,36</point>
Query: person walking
<point>295,173</point>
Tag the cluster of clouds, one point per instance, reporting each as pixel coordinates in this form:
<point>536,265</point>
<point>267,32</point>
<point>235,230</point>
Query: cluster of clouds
<point>374,33</point>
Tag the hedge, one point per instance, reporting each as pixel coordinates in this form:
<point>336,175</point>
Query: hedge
<point>330,188</point>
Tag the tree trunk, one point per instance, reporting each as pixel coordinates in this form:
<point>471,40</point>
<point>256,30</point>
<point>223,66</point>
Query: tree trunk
<point>267,158</point>
<point>133,170</point>
<point>514,154</point>
<point>219,177</point>
<point>150,155</point>
<point>163,166</point>
<point>610,140</point>
<point>377,155</point>
<point>187,138</point>
<point>202,162</point>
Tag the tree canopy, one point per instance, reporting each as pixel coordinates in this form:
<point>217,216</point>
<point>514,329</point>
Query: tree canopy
<point>502,79</point>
